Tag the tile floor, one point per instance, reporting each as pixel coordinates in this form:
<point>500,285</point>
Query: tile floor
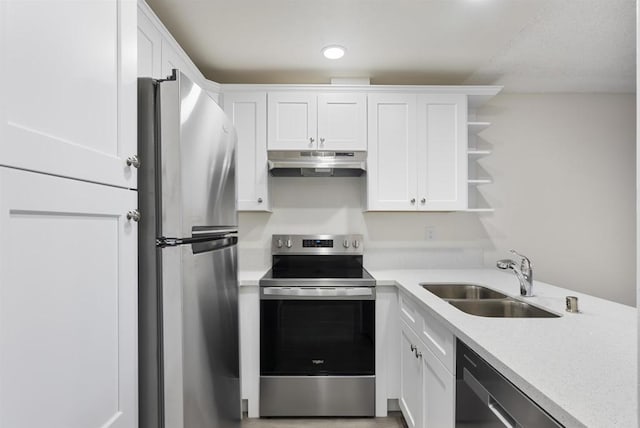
<point>393,421</point>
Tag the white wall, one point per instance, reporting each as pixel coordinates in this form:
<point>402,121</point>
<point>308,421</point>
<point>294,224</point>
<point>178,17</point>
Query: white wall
<point>564,194</point>
<point>564,191</point>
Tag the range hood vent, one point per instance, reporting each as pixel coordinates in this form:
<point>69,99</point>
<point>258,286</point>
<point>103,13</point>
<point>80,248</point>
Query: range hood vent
<point>316,163</point>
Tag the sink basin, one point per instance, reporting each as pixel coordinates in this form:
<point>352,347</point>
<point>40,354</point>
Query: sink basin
<point>462,291</point>
<point>506,308</point>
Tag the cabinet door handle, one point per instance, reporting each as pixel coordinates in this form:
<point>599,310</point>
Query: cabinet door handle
<point>322,141</point>
<point>133,161</point>
<point>311,140</point>
<point>259,200</point>
<point>418,354</point>
<point>413,200</point>
<point>133,215</point>
<point>423,200</point>
<point>413,348</point>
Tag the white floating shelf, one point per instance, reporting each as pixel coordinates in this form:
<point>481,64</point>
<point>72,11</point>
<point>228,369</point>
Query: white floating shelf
<point>475,127</point>
<point>480,210</point>
<point>474,152</point>
<point>479,181</point>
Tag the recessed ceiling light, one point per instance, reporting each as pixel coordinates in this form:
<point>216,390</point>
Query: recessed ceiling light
<point>333,52</point>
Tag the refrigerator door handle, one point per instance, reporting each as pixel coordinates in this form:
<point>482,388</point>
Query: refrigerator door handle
<point>163,241</point>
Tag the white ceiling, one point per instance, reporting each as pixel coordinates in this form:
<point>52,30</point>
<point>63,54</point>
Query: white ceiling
<point>525,45</point>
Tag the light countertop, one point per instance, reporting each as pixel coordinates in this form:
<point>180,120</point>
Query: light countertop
<point>581,368</point>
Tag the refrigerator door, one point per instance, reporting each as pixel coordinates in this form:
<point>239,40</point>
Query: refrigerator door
<point>197,160</point>
<point>200,335</point>
<point>211,362</point>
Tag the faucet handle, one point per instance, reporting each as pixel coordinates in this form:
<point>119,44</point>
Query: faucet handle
<point>526,263</point>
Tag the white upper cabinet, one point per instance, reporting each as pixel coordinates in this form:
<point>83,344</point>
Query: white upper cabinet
<point>149,48</point>
<point>292,121</point>
<point>68,88</point>
<point>342,120</point>
<point>417,156</point>
<point>391,159</point>
<point>307,121</point>
<point>442,152</point>
<point>248,112</point>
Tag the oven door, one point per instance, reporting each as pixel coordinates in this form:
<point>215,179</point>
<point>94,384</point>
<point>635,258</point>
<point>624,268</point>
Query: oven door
<point>317,331</point>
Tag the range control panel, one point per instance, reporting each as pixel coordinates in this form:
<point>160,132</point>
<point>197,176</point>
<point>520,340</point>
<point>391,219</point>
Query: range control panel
<point>316,244</point>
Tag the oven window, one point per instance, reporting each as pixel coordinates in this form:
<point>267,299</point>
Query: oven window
<point>317,337</point>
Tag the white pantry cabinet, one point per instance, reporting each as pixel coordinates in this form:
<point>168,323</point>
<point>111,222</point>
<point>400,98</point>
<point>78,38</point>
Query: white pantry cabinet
<point>248,112</point>
<point>417,157</point>
<point>309,121</point>
<point>68,303</point>
<point>68,88</point>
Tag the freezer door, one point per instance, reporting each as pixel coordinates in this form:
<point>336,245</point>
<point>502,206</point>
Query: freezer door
<point>198,158</point>
<point>200,329</point>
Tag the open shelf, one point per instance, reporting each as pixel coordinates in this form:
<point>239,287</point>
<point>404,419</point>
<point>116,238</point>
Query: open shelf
<point>475,127</point>
<point>480,210</point>
<point>479,181</point>
<point>476,152</point>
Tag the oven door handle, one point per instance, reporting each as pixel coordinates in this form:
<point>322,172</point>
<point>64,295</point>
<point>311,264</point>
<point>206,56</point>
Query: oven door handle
<point>320,293</point>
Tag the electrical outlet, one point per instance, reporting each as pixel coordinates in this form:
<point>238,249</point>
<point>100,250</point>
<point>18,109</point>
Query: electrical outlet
<point>430,233</point>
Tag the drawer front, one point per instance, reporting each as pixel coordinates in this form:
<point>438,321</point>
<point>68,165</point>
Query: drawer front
<point>410,313</point>
<point>439,340</point>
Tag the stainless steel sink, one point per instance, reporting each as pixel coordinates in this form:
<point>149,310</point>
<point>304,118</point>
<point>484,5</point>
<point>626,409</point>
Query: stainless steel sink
<point>504,308</point>
<point>462,291</point>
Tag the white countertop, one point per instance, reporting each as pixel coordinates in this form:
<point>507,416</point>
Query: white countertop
<point>581,368</point>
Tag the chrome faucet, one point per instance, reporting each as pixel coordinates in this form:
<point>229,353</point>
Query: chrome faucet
<point>524,272</point>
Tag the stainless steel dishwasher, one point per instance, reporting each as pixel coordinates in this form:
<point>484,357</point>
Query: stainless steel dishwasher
<point>485,398</point>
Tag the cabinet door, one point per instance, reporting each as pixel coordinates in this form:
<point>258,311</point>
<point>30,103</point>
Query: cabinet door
<point>442,152</point>
<point>149,48</point>
<point>342,121</point>
<point>68,303</point>
<point>391,163</point>
<point>68,89</point>
<point>410,378</point>
<point>438,392</point>
<point>248,112</point>
<point>292,120</point>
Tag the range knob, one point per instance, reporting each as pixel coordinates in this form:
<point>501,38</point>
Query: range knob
<point>346,243</point>
<point>289,243</point>
<point>356,243</point>
<point>279,243</point>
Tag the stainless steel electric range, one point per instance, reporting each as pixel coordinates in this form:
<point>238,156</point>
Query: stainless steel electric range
<point>317,328</point>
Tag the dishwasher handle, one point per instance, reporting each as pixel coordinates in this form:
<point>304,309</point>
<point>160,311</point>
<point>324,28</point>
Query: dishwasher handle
<point>494,406</point>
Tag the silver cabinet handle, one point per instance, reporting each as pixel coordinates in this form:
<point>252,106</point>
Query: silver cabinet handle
<point>413,200</point>
<point>423,200</point>
<point>259,200</point>
<point>413,348</point>
<point>418,354</point>
<point>133,215</point>
<point>311,140</point>
<point>133,161</point>
<point>322,141</point>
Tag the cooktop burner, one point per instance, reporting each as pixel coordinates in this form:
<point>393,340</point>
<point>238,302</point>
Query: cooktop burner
<point>332,260</point>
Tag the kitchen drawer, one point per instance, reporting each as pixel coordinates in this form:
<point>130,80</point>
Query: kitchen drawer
<point>410,313</point>
<point>439,340</point>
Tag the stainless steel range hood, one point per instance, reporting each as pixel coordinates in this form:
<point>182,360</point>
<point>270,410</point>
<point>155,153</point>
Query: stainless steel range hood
<point>316,163</point>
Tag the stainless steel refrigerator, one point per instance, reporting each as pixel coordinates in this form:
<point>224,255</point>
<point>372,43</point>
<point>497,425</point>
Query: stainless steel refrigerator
<point>188,291</point>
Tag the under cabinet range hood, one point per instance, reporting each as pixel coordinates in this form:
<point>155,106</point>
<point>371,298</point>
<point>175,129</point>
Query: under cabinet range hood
<point>316,163</point>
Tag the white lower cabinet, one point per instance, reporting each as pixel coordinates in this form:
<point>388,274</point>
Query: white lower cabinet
<point>68,303</point>
<point>427,388</point>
